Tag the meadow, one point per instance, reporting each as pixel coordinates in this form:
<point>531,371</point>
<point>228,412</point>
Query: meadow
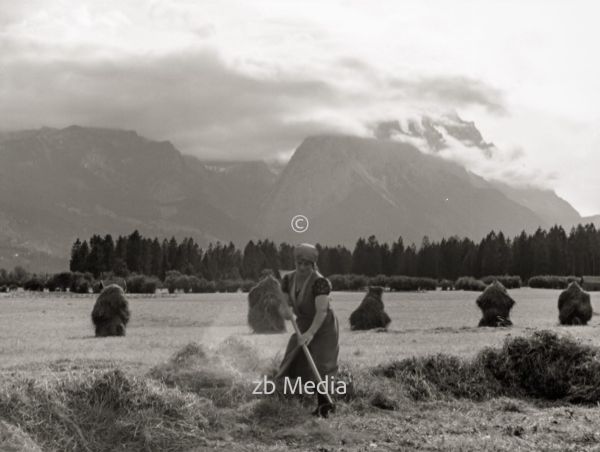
<point>48,338</point>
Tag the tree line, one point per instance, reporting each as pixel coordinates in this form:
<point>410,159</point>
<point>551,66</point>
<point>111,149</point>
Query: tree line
<point>552,251</point>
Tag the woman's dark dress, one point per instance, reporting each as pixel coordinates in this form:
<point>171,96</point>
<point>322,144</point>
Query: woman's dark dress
<point>324,346</point>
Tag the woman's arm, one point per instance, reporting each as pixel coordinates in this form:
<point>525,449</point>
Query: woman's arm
<point>321,306</point>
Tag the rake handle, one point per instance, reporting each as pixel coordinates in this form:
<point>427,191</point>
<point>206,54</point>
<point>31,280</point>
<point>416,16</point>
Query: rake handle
<point>309,358</point>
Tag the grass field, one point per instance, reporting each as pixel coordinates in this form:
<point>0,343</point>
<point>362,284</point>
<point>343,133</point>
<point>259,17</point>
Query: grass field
<point>49,337</point>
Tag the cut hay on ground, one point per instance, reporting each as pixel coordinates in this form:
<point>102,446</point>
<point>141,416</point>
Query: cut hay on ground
<point>101,411</point>
<point>13,439</point>
<point>370,314</point>
<point>264,301</point>
<point>543,366</point>
<point>215,376</point>
<point>495,304</point>
<point>574,306</point>
<point>111,312</point>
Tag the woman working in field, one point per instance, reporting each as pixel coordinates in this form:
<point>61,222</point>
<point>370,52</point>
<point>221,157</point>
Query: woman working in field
<point>308,297</point>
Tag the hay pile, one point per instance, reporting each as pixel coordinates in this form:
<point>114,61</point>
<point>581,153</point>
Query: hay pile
<point>370,314</point>
<point>264,301</point>
<point>574,306</point>
<point>495,304</point>
<point>111,312</point>
<point>542,365</point>
<point>13,439</point>
<point>216,375</point>
<point>106,410</point>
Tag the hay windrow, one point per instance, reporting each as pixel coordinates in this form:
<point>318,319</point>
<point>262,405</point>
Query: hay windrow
<point>106,411</point>
<point>216,375</point>
<point>240,355</point>
<point>13,439</point>
<point>191,400</point>
<point>574,306</point>
<point>543,366</point>
<point>98,410</point>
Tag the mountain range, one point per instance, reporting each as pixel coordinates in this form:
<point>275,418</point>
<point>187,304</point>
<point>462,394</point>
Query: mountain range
<point>60,184</point>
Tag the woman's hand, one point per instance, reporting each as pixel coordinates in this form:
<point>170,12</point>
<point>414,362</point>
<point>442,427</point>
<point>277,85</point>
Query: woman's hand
<point>305,338</point>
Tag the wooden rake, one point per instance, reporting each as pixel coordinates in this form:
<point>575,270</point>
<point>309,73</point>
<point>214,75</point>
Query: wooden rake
<point>322,410</point>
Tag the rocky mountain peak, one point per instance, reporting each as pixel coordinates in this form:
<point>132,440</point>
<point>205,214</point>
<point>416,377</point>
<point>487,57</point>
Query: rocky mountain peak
<point>433,131</point>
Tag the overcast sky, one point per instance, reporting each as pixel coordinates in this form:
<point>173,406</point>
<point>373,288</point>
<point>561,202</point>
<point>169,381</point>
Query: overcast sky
<point>250,79</point>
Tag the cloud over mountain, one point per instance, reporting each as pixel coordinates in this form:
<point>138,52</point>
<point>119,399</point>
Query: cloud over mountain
<point>458,91</point>
<point>246,80</point>
<point>194,97</point>
<point>207,106</point>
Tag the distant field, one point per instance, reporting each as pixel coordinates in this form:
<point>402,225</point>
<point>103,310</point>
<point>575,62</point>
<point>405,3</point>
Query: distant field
<point>49,338</point>
<point>46,327</point>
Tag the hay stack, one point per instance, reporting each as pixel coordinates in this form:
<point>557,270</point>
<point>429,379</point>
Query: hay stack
<point>111,312</point>
<point>264,301</point>
<point>370,314</point>
<point>13,439</point>
<point>574,306</point>
<point>495,304</point>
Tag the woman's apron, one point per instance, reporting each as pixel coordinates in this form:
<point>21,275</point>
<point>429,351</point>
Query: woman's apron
<point>324,346</point>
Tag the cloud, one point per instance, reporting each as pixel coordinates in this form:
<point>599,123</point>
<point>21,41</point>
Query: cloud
<point>510,166</point>
<point>204,105</point>
<point>354,64</point>
<point>248,80</point>
<point>453,92</point>
<point>192,98</point>
<point>452,138</point>
<point>10,12</point>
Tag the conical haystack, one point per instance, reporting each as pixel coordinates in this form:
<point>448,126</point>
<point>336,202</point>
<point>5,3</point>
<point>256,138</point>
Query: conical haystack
<point>111,312</point>
<point>264,301</point>
<point>574,306</point>
<point>370,314</point>
<point>495,304</point>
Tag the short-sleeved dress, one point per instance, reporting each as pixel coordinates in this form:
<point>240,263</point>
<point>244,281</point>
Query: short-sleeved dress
<point>324,347</point>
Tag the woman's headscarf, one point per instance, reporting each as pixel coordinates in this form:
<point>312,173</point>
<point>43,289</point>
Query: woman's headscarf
<point>307,252</point>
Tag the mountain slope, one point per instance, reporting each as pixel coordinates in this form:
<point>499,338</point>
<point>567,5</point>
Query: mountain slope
<point>237,188</point>
<point>56,185</point>
<point>350,187</point>
<point>434,134</point>
<point>545,203</point>
<point>595,219</point>
<point>429,130</point>
<point>59,184</point>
